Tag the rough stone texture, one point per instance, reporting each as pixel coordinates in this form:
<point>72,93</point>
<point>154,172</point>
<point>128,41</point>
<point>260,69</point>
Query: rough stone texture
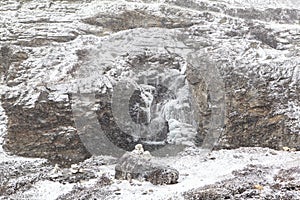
<point>45,43</point>
<point>95,192</point>
<point>269,174</point>
<point>114,133</point>
<point>45,129</point>
<point>19,178</point>
<point>72,175</point>
<point>253,182</point>
<point>131,166</point>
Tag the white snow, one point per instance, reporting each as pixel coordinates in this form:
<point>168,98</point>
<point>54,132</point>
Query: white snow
<point>263,3</point>
<point>181,133</point>
<point>196,172</point>
<point>45,190</point>
<point>196,169</point>
<point>58,96</point>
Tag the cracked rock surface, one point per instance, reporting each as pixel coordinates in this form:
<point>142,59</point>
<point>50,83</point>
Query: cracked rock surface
<point>47,45</point>
<point>140,166</point>
<point>188,60</point>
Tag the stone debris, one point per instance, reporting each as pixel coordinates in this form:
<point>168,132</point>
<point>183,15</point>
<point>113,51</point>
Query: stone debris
<point>288,149</point>
<point>276,178</point>
<point>94,192</point>
<point>138,165</point>
<point>74,174</point>
<point>253,182</point>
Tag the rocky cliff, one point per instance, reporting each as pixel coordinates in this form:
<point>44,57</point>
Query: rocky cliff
<point>202,71</point>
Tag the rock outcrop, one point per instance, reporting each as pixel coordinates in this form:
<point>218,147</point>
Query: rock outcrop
<point>138,165</point>
<point>51,50</point>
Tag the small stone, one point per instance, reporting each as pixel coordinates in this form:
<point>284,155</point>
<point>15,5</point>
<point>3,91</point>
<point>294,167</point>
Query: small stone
<point>258,187</point>
<point>81,170</point>
<point>138,149</point>
<point>56,169</point>
<point>184,174</point>
<point>210,157</point>
<point>73,171</point>
<point>293,149</point>
<point>289,149</point>
<point>286,148</point>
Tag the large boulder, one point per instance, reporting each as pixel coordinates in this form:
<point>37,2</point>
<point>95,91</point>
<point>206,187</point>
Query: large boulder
<point>138,165</point>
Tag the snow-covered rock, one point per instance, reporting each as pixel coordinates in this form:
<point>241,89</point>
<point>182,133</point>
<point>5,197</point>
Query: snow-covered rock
<point>138,165</point>
<point>224,71</point>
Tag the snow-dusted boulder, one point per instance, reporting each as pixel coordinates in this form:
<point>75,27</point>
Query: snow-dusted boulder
<point>138,165</point>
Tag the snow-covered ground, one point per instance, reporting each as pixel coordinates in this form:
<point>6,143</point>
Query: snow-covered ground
<point>264,3</point>
<point>195,170</point>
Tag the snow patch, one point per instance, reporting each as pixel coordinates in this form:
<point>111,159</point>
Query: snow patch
<point>197,170</point>
<point>263,3</point>
<point>46,190</point>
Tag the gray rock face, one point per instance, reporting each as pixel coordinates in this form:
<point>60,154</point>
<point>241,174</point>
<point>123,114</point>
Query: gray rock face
<point>45,129</point>
<point>47,45</point>
<point>132,166</point>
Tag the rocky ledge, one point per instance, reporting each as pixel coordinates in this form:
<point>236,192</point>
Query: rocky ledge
<point>50,50</point>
